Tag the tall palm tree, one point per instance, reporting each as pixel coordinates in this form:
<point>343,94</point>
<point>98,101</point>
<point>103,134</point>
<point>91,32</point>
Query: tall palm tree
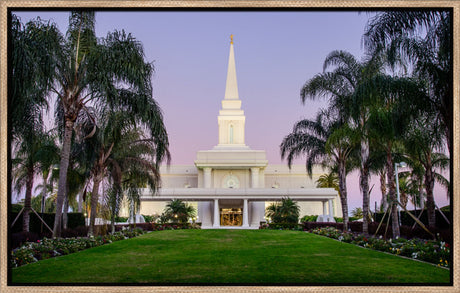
<point>30,83</point>
<point>400,100</point>
<point>123,153</point>
<point>110,70</point>
<point>325,141</point>
<point>31,73</point>
<point>423,38</point>
<point>343,86</point>
<point>130,167</point>
<point>422,141</point>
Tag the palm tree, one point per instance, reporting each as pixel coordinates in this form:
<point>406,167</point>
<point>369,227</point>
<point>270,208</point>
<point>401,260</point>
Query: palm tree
<point>285,211</point>
<point>30,84</point>
<point>423,38</point>
<point>31,73</point>
<point>177,210</point>
<point>422,141</point>
<point>388,121</point>
<point>130,167</point>
<point>329,180</point>
<point>289,210</point>
<point>32,155</point>
<point>343,85</point>
<point>357,213</point>
<point>325,141</point>
<point>272,212</point>
<point>123,153</point>
<point>110,70</point>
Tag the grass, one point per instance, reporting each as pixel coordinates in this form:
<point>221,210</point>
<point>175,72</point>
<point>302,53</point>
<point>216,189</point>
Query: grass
<point>230,256</point>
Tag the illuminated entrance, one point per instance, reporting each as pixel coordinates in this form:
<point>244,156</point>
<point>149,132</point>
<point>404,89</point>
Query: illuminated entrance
<point>231,217</point>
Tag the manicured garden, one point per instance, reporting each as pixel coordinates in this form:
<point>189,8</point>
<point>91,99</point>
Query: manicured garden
<point>229,256</point>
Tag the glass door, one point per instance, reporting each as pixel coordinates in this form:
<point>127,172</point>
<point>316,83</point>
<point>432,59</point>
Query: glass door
<point>231,217</point>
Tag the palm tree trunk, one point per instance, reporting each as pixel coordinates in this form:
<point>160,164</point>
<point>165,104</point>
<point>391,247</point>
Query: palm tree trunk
<point>94,199</point>
<point>392,192</point>
<point>383,189</point>
<point>28,200</point>
<point>430,206</point>
<point>343,193</point>
<point>112,222</point>
<point>66,207</point>
<point>45,188</point>
<point>63,166</point>
<point>80,202</point>
<point>365,189</point>
<point>422,200</point>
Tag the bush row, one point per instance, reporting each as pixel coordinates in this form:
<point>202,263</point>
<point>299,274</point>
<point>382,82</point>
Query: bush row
<point>405,231</point>
<point>33,248</point>
<point>47,248</point>
<point>281,226</point>
<point>433,251</point>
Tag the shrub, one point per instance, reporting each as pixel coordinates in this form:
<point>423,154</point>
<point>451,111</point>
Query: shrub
<point>285,211</point>
<point>41,249</point>
<point>433,251</point>
<point>284,226</point>
<point>307,218</point>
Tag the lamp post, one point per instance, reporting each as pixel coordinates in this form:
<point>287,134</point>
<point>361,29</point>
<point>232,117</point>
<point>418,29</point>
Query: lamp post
<point>400,165</point>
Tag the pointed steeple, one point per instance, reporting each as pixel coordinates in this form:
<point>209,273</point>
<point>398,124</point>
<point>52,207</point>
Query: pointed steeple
<point>231,89</point>
<point>231,118</point>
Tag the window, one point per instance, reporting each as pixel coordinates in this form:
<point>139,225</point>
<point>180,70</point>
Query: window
<point>231,134</point>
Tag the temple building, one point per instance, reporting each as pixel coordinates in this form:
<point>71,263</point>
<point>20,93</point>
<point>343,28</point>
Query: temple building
<point>231,184</point>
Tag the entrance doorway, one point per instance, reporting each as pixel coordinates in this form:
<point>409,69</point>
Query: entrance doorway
<point>231,217</point>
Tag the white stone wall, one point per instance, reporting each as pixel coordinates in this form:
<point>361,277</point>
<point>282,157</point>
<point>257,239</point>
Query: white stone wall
<point>180,176</point>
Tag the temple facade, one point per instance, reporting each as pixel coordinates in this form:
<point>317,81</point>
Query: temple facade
<point>231,184</point>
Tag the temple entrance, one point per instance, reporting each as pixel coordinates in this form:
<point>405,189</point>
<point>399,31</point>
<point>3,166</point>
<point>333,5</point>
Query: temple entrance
<point>231,217</point>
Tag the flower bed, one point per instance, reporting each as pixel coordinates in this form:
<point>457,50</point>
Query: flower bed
<point>47,248</point>
<point>433,251</point>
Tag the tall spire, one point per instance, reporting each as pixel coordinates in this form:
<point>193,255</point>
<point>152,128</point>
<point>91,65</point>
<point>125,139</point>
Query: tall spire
<point>231,89</point>
<point>231,117</point>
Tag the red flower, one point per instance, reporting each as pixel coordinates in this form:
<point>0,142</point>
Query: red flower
<point>447,245</point>
<point>38,241</point>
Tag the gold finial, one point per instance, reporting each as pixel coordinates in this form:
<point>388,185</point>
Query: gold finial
<point>231,39</point>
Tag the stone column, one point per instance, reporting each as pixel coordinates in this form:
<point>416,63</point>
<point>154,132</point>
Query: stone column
<point>216,223</point>
<point>331,212</point>
<point>324,208</point>
<point>255,177</point>
<point>207,177</point>
<point>245,213</point>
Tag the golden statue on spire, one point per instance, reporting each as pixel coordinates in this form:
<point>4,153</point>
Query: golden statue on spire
<point>231,39</point>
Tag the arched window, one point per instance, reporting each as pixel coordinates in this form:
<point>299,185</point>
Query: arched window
<point>231,134</point>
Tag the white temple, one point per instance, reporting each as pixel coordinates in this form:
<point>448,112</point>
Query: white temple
<point>231,184</point>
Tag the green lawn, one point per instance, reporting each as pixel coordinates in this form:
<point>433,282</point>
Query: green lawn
<point>229,256</point>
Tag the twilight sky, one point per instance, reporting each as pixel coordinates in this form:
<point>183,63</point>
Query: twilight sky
<point>275,53</point>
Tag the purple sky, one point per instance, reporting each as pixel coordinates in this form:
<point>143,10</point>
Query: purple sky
<point>275,53</point>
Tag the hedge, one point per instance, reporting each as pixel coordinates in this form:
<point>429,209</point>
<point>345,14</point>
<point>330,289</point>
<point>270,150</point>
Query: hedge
<point>74,220</point>
<point>407,220</point>
<point>284,226</point>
